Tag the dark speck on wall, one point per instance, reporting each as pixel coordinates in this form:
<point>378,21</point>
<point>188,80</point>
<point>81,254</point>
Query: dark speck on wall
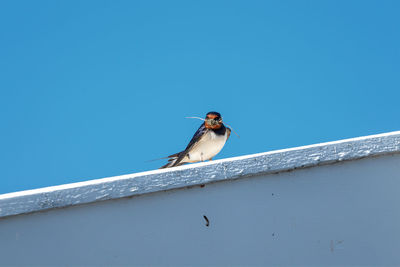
<point>207,221</point>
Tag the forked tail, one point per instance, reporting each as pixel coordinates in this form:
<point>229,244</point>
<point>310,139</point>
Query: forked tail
<point>172,161</point>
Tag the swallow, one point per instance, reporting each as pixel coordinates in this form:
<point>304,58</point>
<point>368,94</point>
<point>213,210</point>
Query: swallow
<point>207,142</point>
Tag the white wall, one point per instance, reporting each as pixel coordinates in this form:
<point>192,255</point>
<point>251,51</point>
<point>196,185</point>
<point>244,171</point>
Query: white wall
<point>344,213</point>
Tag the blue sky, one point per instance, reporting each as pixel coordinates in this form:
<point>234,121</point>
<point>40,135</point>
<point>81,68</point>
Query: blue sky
<point>91,89</point>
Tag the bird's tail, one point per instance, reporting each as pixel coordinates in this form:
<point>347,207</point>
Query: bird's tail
<point>172,161</point>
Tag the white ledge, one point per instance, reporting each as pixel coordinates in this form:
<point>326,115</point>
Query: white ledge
<point>196,174</point>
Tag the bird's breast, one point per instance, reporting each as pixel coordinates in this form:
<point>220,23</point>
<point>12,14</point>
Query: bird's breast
<point>209,146</point>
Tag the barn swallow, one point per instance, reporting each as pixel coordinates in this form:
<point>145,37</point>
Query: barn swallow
<point>207,142</point>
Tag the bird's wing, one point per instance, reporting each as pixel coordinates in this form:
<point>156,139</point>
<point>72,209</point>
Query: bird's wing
<point>228,132</point>
<point>199,134</point>
<point>175,159</point>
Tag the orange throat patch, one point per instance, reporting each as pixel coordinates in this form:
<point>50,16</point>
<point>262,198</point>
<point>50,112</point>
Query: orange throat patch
<point>213,127</point>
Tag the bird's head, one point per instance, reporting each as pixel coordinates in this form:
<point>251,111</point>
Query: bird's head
<point>213,120</point>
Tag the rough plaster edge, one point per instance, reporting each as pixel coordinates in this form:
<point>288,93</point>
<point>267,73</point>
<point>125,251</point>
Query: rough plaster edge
<point>226,169</point>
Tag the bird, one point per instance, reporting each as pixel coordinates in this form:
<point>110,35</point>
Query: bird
<point>207,142</point>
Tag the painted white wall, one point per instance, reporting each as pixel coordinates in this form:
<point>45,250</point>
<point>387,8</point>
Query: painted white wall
<point>340,214</point>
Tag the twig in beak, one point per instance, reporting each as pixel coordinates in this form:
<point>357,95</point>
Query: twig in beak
<point>204,120</point>
<point>194,118</point>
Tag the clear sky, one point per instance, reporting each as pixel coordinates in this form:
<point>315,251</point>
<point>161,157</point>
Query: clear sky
<point>90,89</point>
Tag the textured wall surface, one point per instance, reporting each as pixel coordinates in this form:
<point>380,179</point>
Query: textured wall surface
<point>344,213</point>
